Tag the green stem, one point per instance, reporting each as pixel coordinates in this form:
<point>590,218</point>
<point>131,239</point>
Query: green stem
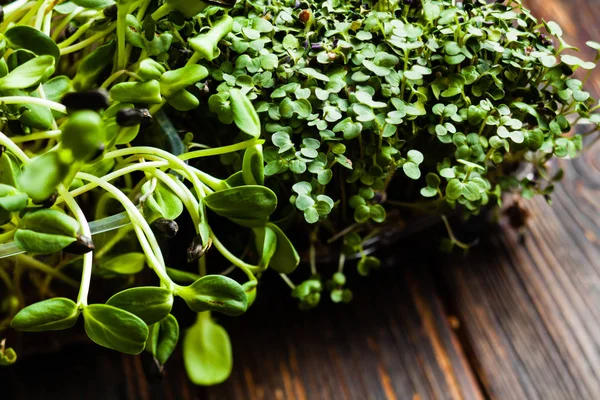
<point>144,232</point>
<point>37,136</point>
<point>122,11</point>
<point>161,12</point>
<point>121,233</point>
<point>34,101</point>
<point>87,42</point>
<point>221,150</point>
<point>247,268</point>
<point>65,21</point>
<point>88,258</point>
<point>32,263</point>
<point>287,281</point>
<point>116,174</point>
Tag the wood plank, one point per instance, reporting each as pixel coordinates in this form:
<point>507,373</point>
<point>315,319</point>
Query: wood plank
<point>530,313</point>
<point>392,342</point>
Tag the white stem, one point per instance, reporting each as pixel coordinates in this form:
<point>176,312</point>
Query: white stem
<point>35,101</point>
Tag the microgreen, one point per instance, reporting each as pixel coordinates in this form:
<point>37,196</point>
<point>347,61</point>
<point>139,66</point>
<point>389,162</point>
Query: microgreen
<point>258,124</point>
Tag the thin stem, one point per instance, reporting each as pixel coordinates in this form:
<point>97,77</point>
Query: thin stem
<point>34,101</point>
<point>64,22</point>
<point>109,81</point>
<point>453,238</point>
<point>32,263</point>
<point>287,280</point>
<point>161,12</point>
<point>217,151</point>
<point>85,43</point>
<point>88,258</point>
<point>144,232</point>
<point>13,148</point>
<point>122,11</point>
<point>247,268</point>
<point>114,175</point>
<point>37,136</point>
<point>78,33</point>
<point>116,238</point>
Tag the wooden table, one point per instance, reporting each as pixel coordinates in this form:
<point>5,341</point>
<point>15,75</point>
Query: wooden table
<point>510,321</point>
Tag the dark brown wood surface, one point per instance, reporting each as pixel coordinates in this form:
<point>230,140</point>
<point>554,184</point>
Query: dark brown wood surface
<point>513,320</point>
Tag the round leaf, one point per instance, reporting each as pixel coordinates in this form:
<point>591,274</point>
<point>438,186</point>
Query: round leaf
<point>207,353</point>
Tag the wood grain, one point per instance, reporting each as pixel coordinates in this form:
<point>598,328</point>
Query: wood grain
<point>531,312</point>
<point>393,342</point>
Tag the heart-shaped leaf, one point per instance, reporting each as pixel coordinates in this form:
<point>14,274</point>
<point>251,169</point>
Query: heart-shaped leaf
<point>207,353</point>
<point>115,328</point>
<point>151,304</point>
<point>215,293</point>
<point>49,315</point>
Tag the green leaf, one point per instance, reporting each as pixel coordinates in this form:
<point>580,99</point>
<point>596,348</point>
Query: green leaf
<point>286,258</point>
<point>207,353</point>
<point>244,114</point>
<point>83,134</point>
<point>266,244</point>
<point>28,38</point>
<point>168,336</point>
<point>49,315</point>
<point>12,199</point>
<point>29,74</point>
<point>248,205</point>
<point>163,201</point>
<point>173,81</point>
<point>41,243</point>
<point>183,101</point>
<point>115,329</point>
<point>151,304</point>
<point>253,166</point>
<point>126,264</point>
<point>45,231</point>
<point>454,189</point>
<point>137,92</point>
<point>411,170</point>
<point>215,293</point>
<point>93,65</point>
<point>7,356</point>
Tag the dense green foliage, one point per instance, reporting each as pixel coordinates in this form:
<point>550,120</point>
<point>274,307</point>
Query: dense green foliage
<point>278,126</point>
